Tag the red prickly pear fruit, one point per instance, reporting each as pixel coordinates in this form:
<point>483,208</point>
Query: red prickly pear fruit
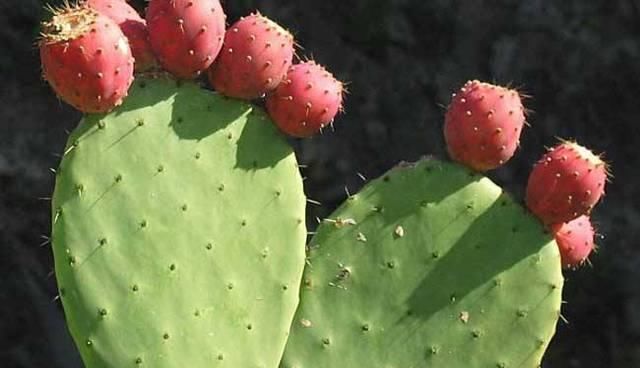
<point>575,240</point>
<point>565,183</point>
<point>255,57</point>
<point>186,35</point>
<point>86,59</point>
<point>483,124</point>
<point>133,26</point>
<point>307,99</point>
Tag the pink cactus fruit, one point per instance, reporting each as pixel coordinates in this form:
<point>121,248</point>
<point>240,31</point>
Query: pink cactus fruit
<point>255,57</point>
<point>186,35</point>
<point>308,99</point>
<point>483,124</point>
<point>86,59</point>
<point>575,240</point>
<point>565,183</point>
<point>133,26</point>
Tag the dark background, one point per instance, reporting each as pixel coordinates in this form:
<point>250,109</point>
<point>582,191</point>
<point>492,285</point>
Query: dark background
<point>578,59</point>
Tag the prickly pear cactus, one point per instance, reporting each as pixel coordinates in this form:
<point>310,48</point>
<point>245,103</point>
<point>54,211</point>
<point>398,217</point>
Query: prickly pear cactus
<point>178,232</point>
<point>429,266</point>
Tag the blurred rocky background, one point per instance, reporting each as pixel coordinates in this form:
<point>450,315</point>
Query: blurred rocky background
<point>579,60</point>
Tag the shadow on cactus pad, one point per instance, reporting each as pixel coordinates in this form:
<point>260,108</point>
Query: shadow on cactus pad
<point>430,265</point>
<point>171,248</point>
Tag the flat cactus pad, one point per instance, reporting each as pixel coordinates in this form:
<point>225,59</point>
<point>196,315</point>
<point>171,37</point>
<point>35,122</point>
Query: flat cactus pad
<point>429,266</point>
<point>178,232</point>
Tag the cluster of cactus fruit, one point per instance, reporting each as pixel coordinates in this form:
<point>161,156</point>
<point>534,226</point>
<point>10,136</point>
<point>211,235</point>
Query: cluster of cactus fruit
<point>482,130</point>
<point>178,216</point>
<point>89,51</point>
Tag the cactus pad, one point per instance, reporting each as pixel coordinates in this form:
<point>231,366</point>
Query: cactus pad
<point>178,232</point>
<point>428,266</point>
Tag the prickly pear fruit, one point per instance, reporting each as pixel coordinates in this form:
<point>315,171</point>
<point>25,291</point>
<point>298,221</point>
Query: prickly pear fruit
<point>86,58</point>
<point>255,57</point>
<point>575,240</point>
<point>483,125</point>
<point>133,26</point>
<point>565,183</point>
<point>186,35</point>
<point>307,99</point>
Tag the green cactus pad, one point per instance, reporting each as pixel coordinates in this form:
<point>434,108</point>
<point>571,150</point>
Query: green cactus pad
<point>178,232</point>
<point>429,266</point>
